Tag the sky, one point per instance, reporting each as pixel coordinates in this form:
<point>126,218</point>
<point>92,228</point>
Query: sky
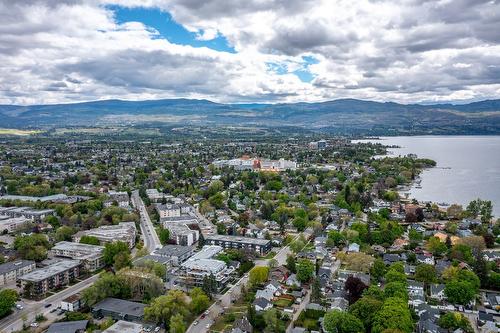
<point>243,51</point>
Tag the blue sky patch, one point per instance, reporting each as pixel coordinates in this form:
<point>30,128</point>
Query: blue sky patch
<point>303,73</point>
<point>167,27</point>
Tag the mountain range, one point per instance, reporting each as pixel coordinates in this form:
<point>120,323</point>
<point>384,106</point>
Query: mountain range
<point>338,116</point>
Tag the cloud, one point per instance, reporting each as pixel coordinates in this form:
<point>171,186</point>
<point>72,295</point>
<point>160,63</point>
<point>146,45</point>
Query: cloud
<point>409,51</point>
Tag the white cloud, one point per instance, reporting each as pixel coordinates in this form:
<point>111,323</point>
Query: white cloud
<point>410,51</point>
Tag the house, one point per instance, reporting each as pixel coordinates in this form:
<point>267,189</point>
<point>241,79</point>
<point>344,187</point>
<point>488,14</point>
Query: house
<point>279,273</point>
<point>292,281</point>
<point>78,326</point>
<point>409,269</point>
<point>441,265</point>
<point>275,287</point>
<point>484,317</point>
<point>72,303</point>
<point>353,247</point>
<point>124,327</point>
<point>243,325</point>
<point>119,309</point>
<point>265,293</point>
<point>391,258</point>
<point>415,293</point>
<point>339,304</point>
<point>425,259</point>
<point>437,291</point>
<point>262,304</point>
<point>298,330</point>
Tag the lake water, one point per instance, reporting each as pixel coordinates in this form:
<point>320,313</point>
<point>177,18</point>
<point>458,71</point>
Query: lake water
<point>468,167</point>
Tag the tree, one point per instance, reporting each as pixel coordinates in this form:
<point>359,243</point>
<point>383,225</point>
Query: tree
<point>164,235</point>
<point>177,324</point>
<point>336,237</point>
<point>8,298</point>
<point>355,288</point>
<point>108,285</point>
<point>454,211</point>
<point>199,301</point>
<point>476,244</point>
<point>316,291</point>
<point>375,292</point>
<point>459,292</point>
<point>395,276</point>
<point>365,309</point>
<point>258,275</point>
<point>64,233</point>
<point>32,247</point>
<point>435,246</point>
<point>111,250</point>
<point>91,240</point>
<point>122,260</point>
<point>455,320</point>
<point>377,270</point>
<point>397,290</point>
<point>461,252</point>
<point>209,285</point>
<point>394,314</point>
<point>272,322</point>
<point>305,270</point>
<point>342,322</point>
<point>426,273</point>
<point>291,263</point>
<point>163,308</point>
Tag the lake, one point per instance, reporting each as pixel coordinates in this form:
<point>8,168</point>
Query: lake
<point>468,167</point>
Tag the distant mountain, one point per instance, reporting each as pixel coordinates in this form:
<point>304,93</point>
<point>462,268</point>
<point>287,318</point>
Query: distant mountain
<point>346,116</point>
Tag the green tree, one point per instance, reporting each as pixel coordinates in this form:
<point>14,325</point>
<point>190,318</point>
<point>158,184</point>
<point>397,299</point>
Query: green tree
<point>305,270</point>
<point>272,322</point>
<point>8,298</point>
<point>396,289</point>
<point>258,275</point>
<point>365,309</point>
<point>435,246</point>
<point>111,250</point>
<point>316,291</point>
<point>377,270</point>
<point>177,324</point>
<point>455,320</point>
<point>394,314</point>
<point>459,292</point>
<point>199,301</point>
<point>291,263</point>
<point>462,252</point>
<point>337,238</point>
<point>426,273</point>
<point>342,322</point>
<point>64,233</point>
<point>395,276</point>
<point>91,240</point>
<point>32,247</point>
<point>164,235</point>
<point>163,308</point>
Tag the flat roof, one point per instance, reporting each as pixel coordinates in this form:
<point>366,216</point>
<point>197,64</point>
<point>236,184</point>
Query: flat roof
<point>46,272</point>
<point>78,247</point>
<point>120,306</point>
<point>174,250</point>
<point>122,326</point>
<point>13,265</point>
<point>239,239</point>
<point>68,326</point>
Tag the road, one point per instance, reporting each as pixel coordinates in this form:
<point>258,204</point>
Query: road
<point>14,322</point>
<point>151,240</point>
<point>298,310</point>
<point>232,294</point>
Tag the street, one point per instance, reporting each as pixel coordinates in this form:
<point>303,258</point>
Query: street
<point>14,322</point>
<point>151,240</point>
<point>233,293</point>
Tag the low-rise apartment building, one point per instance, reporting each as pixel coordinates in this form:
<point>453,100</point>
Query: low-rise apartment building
<point>201,265</point>
<point>176,253</point>
<point>90,255</point>
<point>36,215</point>
<point>11,224</point>
<point>179,228</point>
<point>261,246</point>
<point>124,232</point>
<point>11,271</point>
<point>42,280</point>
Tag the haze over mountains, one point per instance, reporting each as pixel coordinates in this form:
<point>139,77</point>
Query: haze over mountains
<point>342,116</point>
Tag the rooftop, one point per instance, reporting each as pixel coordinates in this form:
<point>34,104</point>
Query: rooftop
<point>46,272</point>
<point>121,306</point>
<point>13,265</point>
<point>174,250</point>
<point>122,326</point>
<point>68,326</point>
<point>239,239</point>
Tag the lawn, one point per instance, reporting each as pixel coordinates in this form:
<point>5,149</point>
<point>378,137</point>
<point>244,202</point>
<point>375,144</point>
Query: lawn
<point>283,302</point>
<point>270,255</point>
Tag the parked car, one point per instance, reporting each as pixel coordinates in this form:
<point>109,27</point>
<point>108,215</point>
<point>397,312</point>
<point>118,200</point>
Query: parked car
<point>48,305</point>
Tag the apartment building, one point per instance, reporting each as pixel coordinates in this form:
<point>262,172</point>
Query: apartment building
<point>124,232</point>
<point>11,271</point>
<point>90,255</point>
<point>261,246</point>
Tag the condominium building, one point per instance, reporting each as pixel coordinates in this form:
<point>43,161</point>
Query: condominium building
<point>10,271</point>
<point>261,246</point>
<point>173,210</point>
<point>180,231</point>
<point>201,265</point>
<point>90,255</point>
<point>42,280</point>
<point>36,215</point>
<point>124,232</point>
<point>11,224</point>
<point>176,253</point>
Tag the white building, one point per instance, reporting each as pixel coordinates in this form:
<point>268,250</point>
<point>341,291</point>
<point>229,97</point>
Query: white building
<point>11,224</point>
<point>179,229</point>
<point>11,271</point>
<point>124,232</point>
<point>90,255</point>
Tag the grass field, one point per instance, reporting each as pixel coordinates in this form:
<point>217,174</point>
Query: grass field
<point>12,131</point>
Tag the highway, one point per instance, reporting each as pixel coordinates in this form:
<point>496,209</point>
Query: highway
<point>233,293</point>
<point>151,240</point>
<point>14,322</point>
